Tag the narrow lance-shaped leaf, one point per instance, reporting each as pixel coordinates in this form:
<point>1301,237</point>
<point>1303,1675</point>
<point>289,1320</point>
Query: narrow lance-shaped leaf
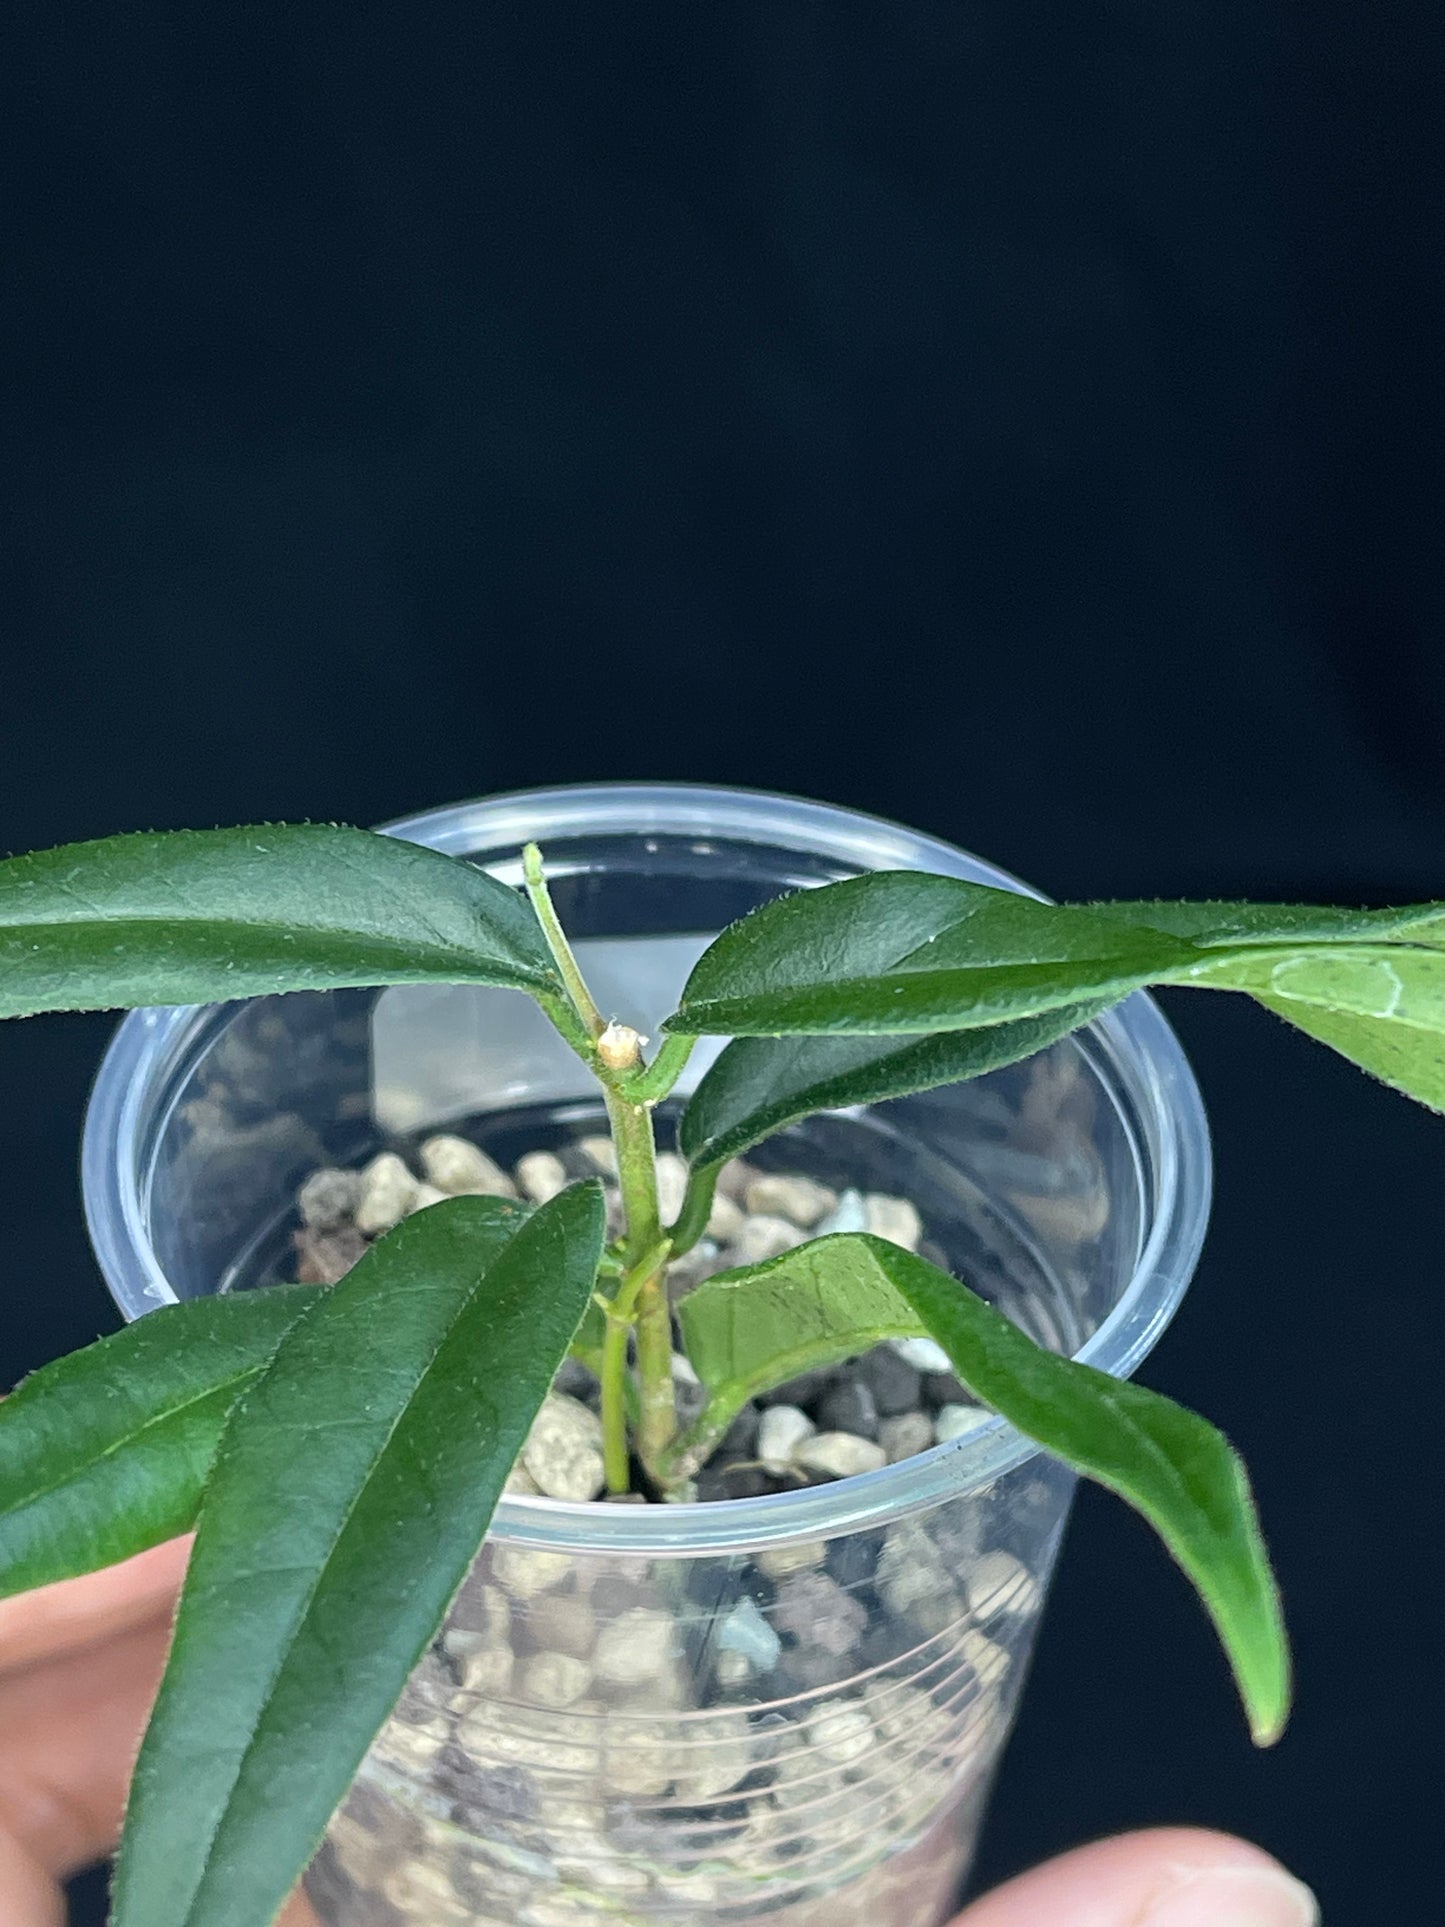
<point>900,953</point>
<point>104,1453</point>
<point>196,916</point>
<point>1170,1464</point>
<point>348,1499</point>
<point>760,1084</point>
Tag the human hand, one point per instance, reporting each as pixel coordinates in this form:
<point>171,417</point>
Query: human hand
<point>79,1664</point>
<point>1169,1877</point>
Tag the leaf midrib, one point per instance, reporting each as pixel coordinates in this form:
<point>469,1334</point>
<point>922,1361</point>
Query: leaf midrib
<point>131,1439</point>
<point>214,1831</point>
<point>1196,971</point>
<point>110,927</point>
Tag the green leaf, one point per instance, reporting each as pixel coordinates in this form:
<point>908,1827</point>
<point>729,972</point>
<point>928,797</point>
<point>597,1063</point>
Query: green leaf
<point>746,1331</point>
<point>1170,1464</point>
<point>899,953</point>
<point>195,916</point>
<point>105,1452</point>
<point>349,1496</point>
<point>759,1084</point>
<point>1383,1008</point>
<point>1213,925</point>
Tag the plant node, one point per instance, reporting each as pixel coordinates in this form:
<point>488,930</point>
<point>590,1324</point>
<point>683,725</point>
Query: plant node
<point>620,1048</point>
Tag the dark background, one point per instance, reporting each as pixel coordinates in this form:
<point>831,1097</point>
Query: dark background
<point>1021,420</point>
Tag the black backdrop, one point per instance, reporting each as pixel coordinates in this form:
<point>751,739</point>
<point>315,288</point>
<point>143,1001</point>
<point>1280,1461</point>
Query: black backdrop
<point>1018,419</point>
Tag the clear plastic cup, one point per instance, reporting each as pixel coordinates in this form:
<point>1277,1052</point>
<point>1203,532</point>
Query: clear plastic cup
<point>787,1707</point>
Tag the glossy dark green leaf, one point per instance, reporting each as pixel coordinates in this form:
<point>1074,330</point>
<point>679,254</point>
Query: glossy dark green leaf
<point>760,1084</point>
<point>901,951</point>
<point>1170,1464</point>
<point>898,953</point>
<point>197,916</point>
<point>105,1452</point>
<point>347,1501</point>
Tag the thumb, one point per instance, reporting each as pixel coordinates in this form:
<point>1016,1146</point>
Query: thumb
<point>1171,1877</point>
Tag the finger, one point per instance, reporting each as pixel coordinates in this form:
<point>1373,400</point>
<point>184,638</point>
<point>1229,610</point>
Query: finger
<point>75,1613</point>
<point>71,1729</point>
<point>28,1896</point>
<point>298,1912</point>
<point>1172,1877</point>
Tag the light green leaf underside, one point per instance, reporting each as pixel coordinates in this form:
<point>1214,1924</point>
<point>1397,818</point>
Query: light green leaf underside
<point>1170,1464</point>
<point>348,1499</point>
<point>198,916</point>
<point>104,1453</point>
<point>1382,1008</point>
<point>748,1330</point>
<point>760,1084</point>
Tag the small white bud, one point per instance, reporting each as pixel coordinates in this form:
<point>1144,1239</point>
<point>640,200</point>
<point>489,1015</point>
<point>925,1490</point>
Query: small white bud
<point>620,1048</point>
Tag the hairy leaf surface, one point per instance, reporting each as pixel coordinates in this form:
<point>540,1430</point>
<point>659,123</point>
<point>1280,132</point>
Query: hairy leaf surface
<point>198,916</point>
<point>759,1084</point>
<point>900,953</point>
<point>1171,1465</point>
<point>349,1496</point>
<point>104,1453</point>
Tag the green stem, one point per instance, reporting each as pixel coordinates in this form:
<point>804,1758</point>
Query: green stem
<point>696,1210</point>
<point>653,1082</point>
<point>657,1423</point>
<point>641,1298</point>
<point>644,1288</point>
<point>541,901</point>
<point>636,1173</point>
<point>615,1455</point>
<point>687,1454</point>
<point>641,1301</point>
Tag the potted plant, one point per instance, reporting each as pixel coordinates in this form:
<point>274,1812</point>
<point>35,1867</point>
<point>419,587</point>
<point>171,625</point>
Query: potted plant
<point>640,1506</point>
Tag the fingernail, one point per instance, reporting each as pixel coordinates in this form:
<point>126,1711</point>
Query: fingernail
<point>1235,1897</point>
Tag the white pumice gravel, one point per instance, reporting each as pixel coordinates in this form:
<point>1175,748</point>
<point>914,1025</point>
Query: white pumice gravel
<point>634,1647</point>
<point>895,1219</point>
<point>748,1636</point>
<point>563,1452</point>
<point>387,1191</point>
<point>838,1455</point>
<point>801,1555</point>
<point>424,1195</point>
<point>782,1430</point>
<point>460,1168</point>
<point>997,1582</point>
<point>905,1436</point>
<point>849,1214</point>
<point>829,1424</point>
<point>802,1201</point>
<point>541,1176</point>
<point>554,1679</point>
<point>725,1220</point>
<point>329,1198</point>
<point>957,1421</point>
<point>601,1153</point>
<point>764,1238</point>
<point>671,1184</point>
<point>923,1354</point>
<point>841,1730</point>
<point>734,1178</point>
